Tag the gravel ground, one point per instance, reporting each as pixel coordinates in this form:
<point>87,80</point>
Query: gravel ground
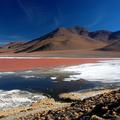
<point>100,107</point>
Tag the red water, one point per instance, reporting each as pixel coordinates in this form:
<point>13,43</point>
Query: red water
<point>7,65</point>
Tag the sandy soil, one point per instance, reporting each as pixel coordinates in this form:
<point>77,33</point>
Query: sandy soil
<point>42,105</point>
<point>83,95</point>
<point>67,53</point>
<point>100,107</point>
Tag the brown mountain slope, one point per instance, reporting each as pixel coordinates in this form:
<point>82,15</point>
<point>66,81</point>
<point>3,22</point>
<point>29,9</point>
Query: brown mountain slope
<point>115,46</point>
<point>11,46</point>
<point>60,39</point>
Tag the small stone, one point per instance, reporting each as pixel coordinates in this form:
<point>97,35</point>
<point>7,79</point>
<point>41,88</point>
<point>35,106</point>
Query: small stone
<point>114,114</point>
<point>76,115</point>
<point>105,109</point>
<point>95,117</point>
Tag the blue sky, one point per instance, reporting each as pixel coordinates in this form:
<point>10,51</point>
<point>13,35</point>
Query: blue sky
<point>22,20</point>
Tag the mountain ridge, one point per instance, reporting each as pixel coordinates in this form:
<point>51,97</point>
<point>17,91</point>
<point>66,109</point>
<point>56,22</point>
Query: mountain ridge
<point>67,39</point>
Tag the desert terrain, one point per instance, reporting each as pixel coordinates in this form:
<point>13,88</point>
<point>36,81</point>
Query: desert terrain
<point>67,74</point>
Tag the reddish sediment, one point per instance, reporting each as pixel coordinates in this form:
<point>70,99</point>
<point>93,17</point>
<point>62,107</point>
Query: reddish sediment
<point>8,65</point>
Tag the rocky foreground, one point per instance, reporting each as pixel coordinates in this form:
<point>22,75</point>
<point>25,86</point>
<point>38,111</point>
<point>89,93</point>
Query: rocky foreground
<point>100,107</point>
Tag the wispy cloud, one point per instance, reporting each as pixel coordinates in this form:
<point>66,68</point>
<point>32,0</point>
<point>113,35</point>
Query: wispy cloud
<point>58,18</point>
<point>99,17</point>
<point>96,21</point>
<point>56,21</point>
<point>24,8</point>
<point>34,13</point>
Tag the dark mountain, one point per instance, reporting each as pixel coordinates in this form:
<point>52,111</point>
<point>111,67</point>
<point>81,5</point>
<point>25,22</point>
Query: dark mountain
<point>79,30</point>
<point>115,46</point>
<point>106,36</point>
<point>114,36</point>
<point>102,35</point>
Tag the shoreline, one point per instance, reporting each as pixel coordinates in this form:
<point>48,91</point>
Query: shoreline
<point>65,53</point>
<point>55,58</point>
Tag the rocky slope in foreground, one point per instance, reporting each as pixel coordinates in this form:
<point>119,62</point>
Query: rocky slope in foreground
<point>100,107</point>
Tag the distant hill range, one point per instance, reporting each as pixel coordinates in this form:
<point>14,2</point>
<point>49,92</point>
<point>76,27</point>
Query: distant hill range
<point>75,38</point>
